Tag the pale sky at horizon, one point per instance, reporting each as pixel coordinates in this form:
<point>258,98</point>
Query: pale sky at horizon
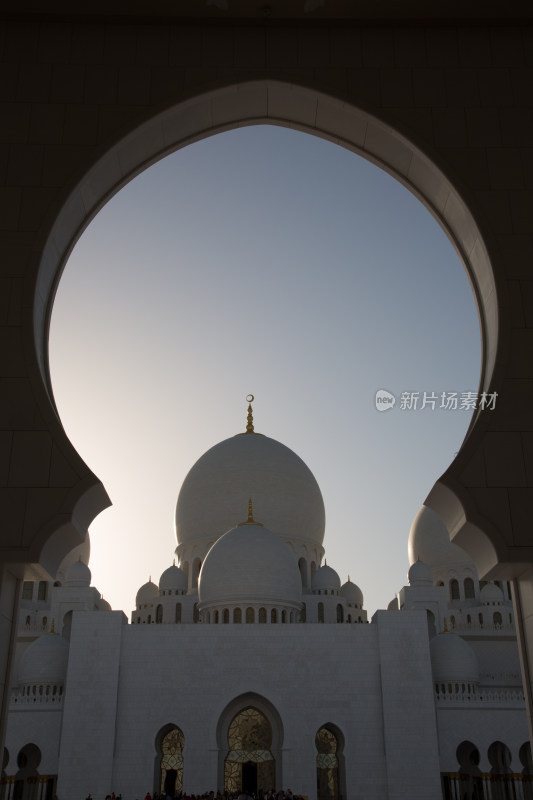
<point>263,260</point>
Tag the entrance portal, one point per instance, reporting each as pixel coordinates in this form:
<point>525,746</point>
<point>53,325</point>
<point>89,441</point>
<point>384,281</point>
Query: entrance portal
<point>249,766</point>
<point>249,778</point>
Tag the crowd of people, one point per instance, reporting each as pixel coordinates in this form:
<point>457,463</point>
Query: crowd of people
<point>282,794</point>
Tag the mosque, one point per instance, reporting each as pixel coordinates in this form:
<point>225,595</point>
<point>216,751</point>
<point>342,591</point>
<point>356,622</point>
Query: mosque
<point>249,666</point>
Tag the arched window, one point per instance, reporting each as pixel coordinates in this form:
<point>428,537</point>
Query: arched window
<point>195,614</point>
<point>469,589</point>
<point>250,615</point>
<point>452,620</point>
<point>215,617</point>
<point>225,616</point>
<point>498,621</point>
<point>171,768</point>
<point>27,590</point>
<point>249,766</point>
<point>149,620</point>
<point>274,615</point>
<point>284,616</point>
<point>454,589</point>
<point>321,612</point>
<point>262,615</point>
<point>45,622</point>
<point>159,614</point>
<point>340,613</point>
<point>468,619</point>
<point>480,618</point>
<point>303,614</point>
<point>500,774</point>
<point>327,765</point>
<point>178,612</point>
<point>237,616</point>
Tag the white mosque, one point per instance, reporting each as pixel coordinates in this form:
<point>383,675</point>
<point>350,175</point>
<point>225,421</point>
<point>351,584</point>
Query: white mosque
<point>249,666</point>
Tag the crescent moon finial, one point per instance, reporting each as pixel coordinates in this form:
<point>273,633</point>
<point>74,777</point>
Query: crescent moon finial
<point>250,418</point>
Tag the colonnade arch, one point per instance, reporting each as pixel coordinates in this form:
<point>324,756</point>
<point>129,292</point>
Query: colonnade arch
<point>305,108</point>
<point>223,108</point>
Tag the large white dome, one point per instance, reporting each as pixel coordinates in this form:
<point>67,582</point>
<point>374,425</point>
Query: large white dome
<point>250,564</point>
<point>429,542</point>
<point>286,496</point>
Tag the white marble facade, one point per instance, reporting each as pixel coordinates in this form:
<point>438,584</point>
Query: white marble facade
<point>423,702</point>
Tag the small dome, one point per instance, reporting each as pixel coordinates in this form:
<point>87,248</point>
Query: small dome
<point>491,594</point>
<point>429,541</point>
<point>420,574</point>
<point>352,594</point>
<point>393,605</point>
<point>325,578</point>
<point>78,574</point>
<point>452,659</point>
<point>173,579</point>
<point>103,605</point>
<point>146,594</point>
<point>44,661</point>
<point>252,564</point>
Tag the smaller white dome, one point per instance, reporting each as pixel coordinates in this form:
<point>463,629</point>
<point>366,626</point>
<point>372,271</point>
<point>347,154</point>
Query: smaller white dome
<point>250,564</point>
<point>78,574</point>
<point>146,594</point>
<point>352,594</point>
<point>452,659</point>
<point>45,660</point>
<point>420,574</point>
<point>103,605</point>
<point>173,579</point>
<point>325,578</point>
<point>393,605</point>
<point>491,594</point>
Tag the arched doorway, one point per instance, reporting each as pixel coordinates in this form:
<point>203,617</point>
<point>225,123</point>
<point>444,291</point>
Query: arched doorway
<point>329,781</point>
<point>249,766</point>
<point>169,761</point>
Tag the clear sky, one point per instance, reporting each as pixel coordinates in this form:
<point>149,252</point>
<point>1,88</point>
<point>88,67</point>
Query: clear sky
<point>266,261</point>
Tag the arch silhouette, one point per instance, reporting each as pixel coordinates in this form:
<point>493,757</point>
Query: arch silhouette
<point>222,108</point>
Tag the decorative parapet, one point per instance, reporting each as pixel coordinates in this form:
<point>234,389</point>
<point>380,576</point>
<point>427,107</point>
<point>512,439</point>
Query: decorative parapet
<point>19,701</point>
<point>483,698</point>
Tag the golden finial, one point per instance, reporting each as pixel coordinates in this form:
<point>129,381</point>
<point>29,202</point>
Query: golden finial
<point>53,627</point>
<point>250,520</point>
<point>250,418</point>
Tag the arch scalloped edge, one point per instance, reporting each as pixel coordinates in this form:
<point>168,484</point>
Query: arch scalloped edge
<point>476,534</point>
<point>69,527</point>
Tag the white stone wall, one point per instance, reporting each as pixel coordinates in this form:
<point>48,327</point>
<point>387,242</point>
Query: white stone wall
<point>409,721</point>
<point>40,726</point>
<point>125,683</point>
<point>482,727</point>
<point>89,713</point>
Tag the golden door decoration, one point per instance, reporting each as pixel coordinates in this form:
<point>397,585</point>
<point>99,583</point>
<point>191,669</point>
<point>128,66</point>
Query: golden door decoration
<point>327,765</point>
<point>172,759</point>
<point>249,739</point>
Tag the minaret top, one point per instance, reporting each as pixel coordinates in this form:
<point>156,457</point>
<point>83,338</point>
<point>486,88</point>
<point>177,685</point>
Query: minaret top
<point>250,418</point>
